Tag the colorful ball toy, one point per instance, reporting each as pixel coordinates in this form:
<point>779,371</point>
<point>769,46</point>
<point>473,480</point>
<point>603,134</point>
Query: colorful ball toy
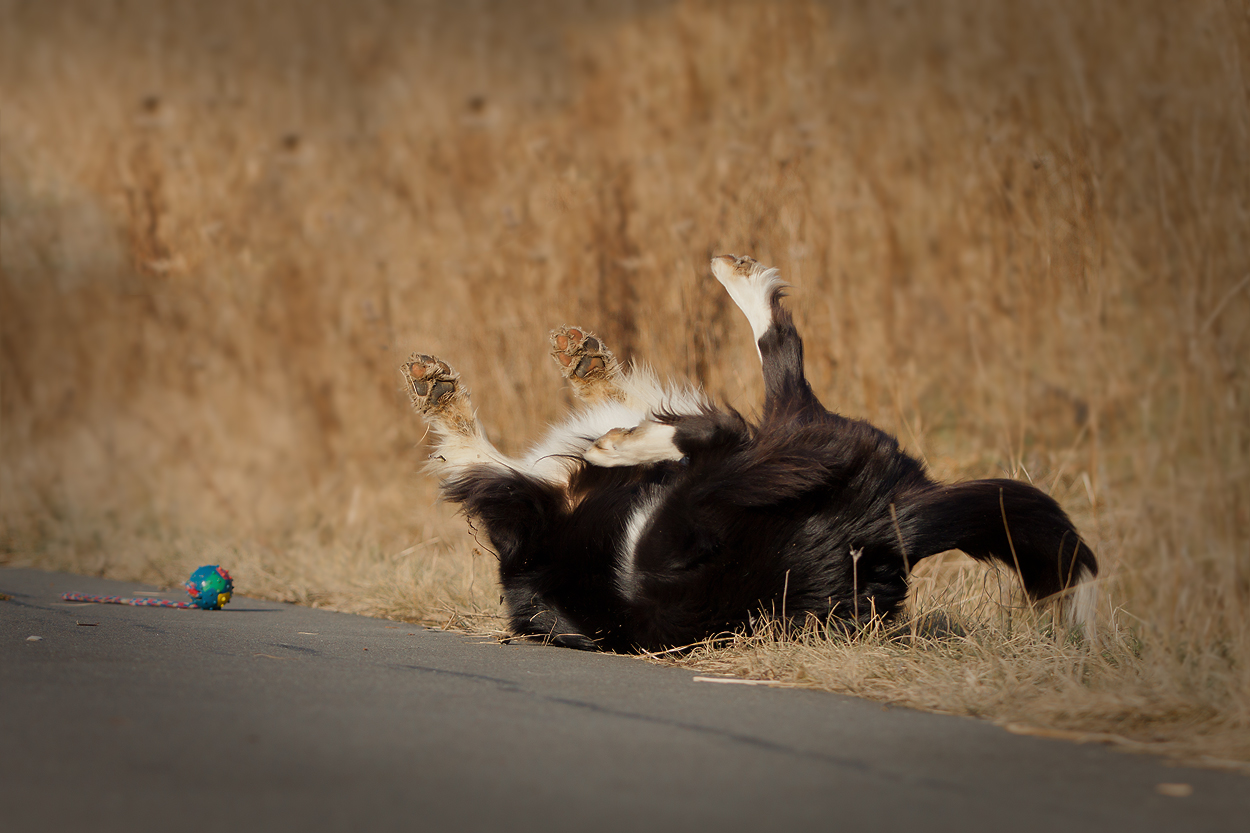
<point>210,587</point>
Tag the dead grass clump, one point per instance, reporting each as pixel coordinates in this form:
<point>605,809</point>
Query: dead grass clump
<point>1005,662</point>
<point>1016,234</point>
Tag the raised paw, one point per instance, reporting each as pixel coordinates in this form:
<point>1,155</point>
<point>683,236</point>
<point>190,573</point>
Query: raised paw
<point>586,362</point>
<point>753,287</point>
<point>431,383</point>
<point>647,442</point>
<point>579,353</point>
<point>739,265</point>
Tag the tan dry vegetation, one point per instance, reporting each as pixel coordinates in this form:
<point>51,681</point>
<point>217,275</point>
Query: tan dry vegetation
<point>1017,234</point>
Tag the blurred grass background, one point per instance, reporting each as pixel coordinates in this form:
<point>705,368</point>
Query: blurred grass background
<point>1017,232</point>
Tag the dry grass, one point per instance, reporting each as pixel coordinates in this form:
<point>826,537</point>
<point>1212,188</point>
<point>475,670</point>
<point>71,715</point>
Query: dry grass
<point>1017,231</point>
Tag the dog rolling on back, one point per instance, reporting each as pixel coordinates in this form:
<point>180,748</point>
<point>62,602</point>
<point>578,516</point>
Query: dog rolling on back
<point>652,519</point>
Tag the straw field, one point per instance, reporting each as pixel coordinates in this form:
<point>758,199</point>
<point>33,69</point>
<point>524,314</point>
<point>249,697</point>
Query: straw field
<point>1017,234</point>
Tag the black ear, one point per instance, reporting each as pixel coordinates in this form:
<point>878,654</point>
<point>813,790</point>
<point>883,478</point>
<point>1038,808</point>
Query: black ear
<point>709,430</point>
<point>512,507</point>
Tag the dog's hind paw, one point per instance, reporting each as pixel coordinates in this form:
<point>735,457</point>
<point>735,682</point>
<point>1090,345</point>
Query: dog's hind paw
<point>752,286</point>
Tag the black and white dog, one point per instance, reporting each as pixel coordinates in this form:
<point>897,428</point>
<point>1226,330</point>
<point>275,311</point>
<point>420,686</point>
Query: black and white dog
<point>652,518</point>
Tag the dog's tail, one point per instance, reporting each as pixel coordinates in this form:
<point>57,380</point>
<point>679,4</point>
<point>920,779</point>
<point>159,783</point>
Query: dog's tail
<point>1012,523</point>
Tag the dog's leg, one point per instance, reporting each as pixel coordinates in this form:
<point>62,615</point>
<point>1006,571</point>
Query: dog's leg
<point>439,397</point>
<point>758,290</point>
<point>670,437</point>
<point>648,442</point>
<point>592,370</point>
<point>753,287</point>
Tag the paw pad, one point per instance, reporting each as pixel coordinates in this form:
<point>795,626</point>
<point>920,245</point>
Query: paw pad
<point>430,381</point>
<point>579,353</point>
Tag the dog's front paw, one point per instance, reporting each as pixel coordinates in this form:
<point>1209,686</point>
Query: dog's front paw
<point>431,383</point>
<point>649,442</point>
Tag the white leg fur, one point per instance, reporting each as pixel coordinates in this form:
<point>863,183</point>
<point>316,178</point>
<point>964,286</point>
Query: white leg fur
<point>751,286</point>
<point>649,442</point>
<point>439,397</point>
<point>1081,605</point>
<point>641,396</point>
<point>455,450</point>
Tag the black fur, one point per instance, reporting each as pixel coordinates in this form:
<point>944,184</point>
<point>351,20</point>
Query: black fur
<point>808,514</point>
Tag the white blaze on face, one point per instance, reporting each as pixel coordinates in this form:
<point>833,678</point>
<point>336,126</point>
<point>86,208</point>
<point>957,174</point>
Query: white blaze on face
<point>751,286</point>
<point>650,442</point>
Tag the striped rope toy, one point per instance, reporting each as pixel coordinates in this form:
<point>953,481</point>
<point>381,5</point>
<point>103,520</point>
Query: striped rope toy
<point>118,600</point>
<point>210,587</point>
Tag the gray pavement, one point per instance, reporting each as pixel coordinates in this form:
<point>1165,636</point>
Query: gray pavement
<point>267,716</point>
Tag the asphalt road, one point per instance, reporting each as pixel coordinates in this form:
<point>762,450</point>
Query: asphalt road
<point>272,717</point>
